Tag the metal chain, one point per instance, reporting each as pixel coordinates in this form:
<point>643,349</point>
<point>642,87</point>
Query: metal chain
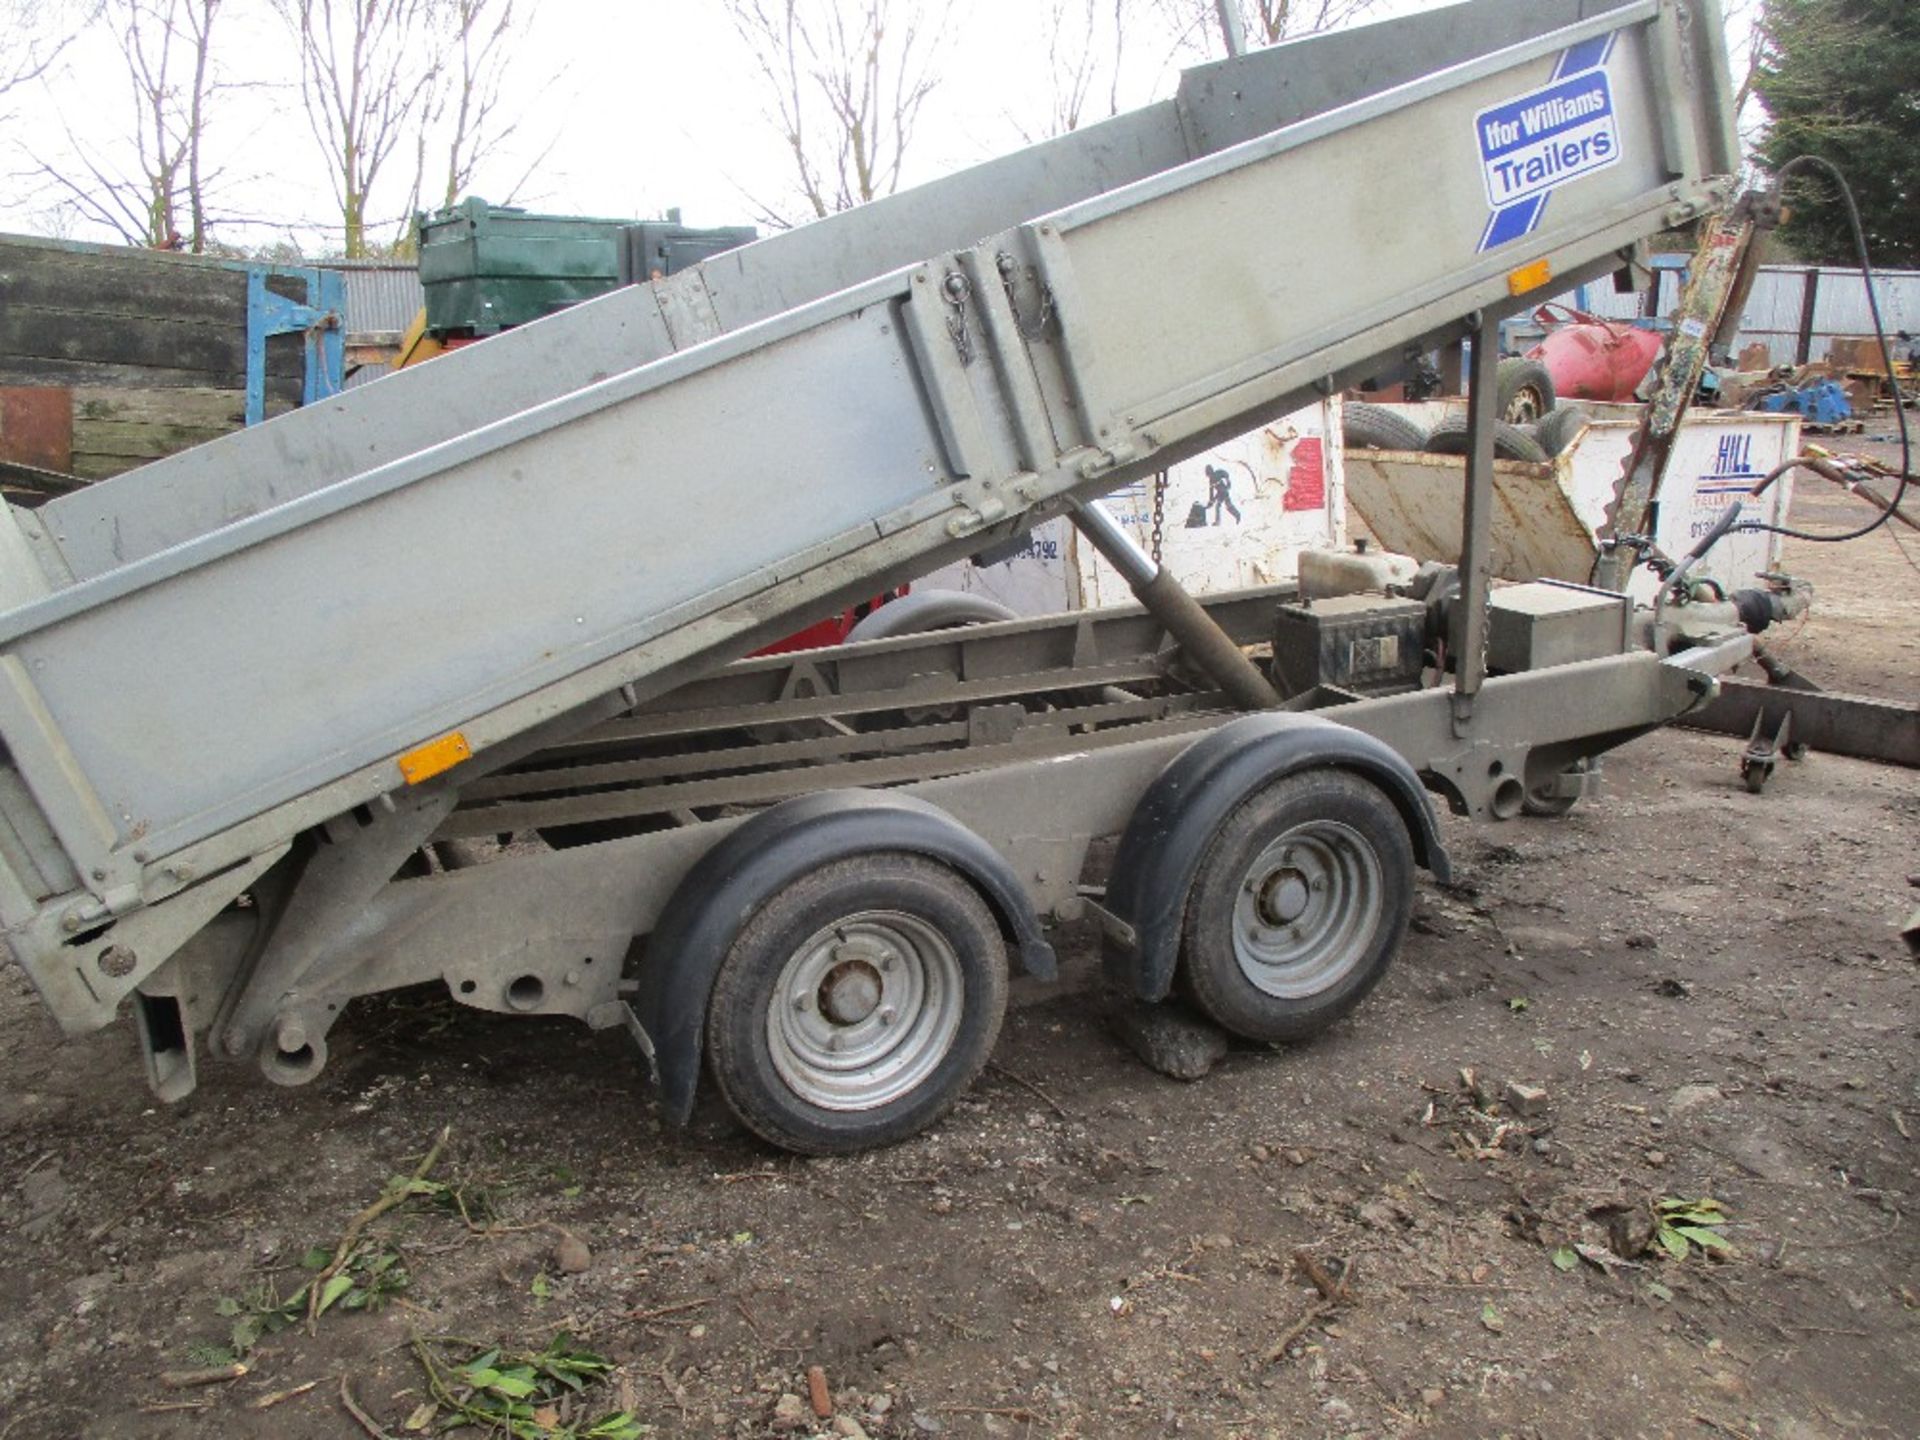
<point>1159,514</point>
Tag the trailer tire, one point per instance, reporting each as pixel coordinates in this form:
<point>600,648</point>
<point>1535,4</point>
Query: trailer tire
<point>1300,903</point>
<point>1525,390</point>
<point>1375,427</point>
<point>1510,442</point>
<point>921,611</point>
<point>858,1004</point>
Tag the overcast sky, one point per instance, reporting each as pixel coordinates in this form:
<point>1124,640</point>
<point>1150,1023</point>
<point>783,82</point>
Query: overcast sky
<point>637,106</point>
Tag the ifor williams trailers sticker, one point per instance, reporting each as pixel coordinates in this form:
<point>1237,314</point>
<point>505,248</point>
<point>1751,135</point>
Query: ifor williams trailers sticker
<point>1535,143</point>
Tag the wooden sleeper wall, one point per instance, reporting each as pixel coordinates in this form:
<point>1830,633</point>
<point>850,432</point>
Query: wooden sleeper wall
<point>151,346</point>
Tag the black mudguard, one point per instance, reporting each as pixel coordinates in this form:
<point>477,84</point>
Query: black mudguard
<point>1159,855</point>
<point>758,859</point>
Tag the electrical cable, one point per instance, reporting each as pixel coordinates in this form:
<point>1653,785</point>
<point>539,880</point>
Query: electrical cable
<point>1886,358</point>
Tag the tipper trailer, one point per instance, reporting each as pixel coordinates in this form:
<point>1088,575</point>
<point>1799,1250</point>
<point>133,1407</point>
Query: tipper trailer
<point>410,686</point>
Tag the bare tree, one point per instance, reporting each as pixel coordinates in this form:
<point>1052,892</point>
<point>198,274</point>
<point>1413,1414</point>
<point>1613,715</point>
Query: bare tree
<point>1085,43</point>
<point>484,40</point>
<point>33,33</point>
<point>152,189</point>
<point>1746,47</point>
<point>370,72</point>
<point>407,99</point>
<point>1199,24</point>
<point>844,83</point>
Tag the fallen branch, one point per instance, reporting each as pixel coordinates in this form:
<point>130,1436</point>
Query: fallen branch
<point>740,1304</point>
<point>1831,1330</point>
<point>212,1375</point>
<point>1323,1282</point>
<point>267,1402</point>
<point>1333,1294</point>
<point>360,1417</point>
<point>1033,1089</point>
<point>674,1309</point>
<point>350,1238</point>
<point>106,1227</point>
<point>675,1390</point>
<point>1319,1310</point>
<point>1724,1429</point>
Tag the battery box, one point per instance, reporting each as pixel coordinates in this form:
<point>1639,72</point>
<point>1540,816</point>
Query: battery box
<point>1368,644</point>
<point>1547,622</point>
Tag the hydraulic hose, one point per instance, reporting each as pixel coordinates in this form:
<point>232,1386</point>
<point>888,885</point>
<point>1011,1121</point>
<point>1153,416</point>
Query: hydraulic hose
<point>1886,357</point>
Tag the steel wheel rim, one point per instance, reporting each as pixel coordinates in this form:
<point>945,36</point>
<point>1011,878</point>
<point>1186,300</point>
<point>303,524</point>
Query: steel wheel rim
<point>864,1011</point>
<point>1524,407</point>
<point>1307,909</point>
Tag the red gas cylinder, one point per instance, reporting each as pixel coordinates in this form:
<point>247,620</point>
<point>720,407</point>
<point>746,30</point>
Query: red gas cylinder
<point>1593,359</point>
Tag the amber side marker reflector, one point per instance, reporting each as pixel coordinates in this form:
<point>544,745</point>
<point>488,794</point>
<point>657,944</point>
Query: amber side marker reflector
<point>1529,277</point>
<point>434,757</point>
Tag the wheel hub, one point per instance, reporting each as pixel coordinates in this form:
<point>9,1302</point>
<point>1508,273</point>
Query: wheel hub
<point>1308,910</point>
<point>1283,898</point>
<point>851,992</point>
<point>865,1010</point>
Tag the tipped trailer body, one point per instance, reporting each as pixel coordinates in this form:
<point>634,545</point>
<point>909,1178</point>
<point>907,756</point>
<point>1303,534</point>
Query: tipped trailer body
<point>271,708</point>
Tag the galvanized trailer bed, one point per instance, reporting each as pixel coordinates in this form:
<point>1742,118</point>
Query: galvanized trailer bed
<point>273,667</point>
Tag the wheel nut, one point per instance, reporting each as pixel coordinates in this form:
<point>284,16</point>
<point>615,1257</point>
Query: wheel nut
<point>888,1015</point>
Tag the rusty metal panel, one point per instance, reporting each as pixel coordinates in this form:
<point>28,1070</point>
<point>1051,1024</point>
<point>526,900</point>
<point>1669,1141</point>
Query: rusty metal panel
<point>1411,503</point>
<point>36,426</point>
<point>1545,516</point>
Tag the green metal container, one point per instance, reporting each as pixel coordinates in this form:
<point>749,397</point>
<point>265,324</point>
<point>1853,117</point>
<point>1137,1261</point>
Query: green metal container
<point>487,268</point>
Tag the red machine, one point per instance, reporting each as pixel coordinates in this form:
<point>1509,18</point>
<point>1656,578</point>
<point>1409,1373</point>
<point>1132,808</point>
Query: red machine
<point>1591,358</point>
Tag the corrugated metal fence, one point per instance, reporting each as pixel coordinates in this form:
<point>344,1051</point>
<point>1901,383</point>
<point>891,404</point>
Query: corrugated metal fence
<point>382,297</point>
<point>1796,311</point>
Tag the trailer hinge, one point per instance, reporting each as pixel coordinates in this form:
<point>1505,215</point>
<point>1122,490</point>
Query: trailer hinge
<point>970,519</point>
<point>1115,454</point>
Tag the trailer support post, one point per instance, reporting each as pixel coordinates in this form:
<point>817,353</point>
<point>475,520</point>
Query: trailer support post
<point>1469,629</point>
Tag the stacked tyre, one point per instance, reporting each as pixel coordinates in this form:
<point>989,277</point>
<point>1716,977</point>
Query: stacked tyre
<point>1530,427</point>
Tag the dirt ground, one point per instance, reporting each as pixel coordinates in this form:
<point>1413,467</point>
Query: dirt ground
<point>1707,985</point>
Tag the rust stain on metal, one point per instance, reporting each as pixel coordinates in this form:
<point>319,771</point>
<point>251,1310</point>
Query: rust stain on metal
<point>36,426</point>
<point>1411,504</point>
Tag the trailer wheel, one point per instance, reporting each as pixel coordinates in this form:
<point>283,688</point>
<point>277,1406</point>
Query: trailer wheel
<point>1299,904</point>
<point>858,1004</point>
